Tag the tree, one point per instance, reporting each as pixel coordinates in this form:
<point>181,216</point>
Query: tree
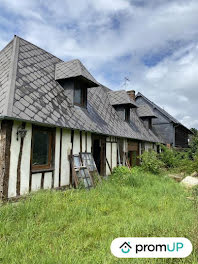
<point>194,143</point>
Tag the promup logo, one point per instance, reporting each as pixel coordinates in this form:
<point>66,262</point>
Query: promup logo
<point>125,247</point>
<point>154,247</point>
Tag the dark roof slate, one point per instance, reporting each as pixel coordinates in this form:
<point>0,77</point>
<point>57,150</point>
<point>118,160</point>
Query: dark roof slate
<point>120,98</point>
<point>73,68</point>
<point>5,61</point>
<point>145,111</point>
<point>35,96</point>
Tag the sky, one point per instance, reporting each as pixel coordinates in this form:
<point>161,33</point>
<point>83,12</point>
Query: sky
<point>152,43</point>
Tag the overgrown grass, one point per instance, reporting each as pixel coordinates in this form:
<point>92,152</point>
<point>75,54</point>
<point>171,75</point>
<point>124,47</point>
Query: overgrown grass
<point>77,226</point>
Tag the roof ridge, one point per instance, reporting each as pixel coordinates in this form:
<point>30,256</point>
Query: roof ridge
<point>39,47</point>
<point>118,91</point>
<point>6,45</point>
<point>164,112</point>
<point>83,67</point>
<point>80,66</point>
<point>12,77</point>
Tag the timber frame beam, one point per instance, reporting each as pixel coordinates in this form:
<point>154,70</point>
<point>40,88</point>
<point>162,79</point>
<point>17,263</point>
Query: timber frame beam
<point>5,142</point>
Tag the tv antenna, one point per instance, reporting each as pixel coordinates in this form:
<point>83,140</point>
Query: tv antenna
<point>126,82</point>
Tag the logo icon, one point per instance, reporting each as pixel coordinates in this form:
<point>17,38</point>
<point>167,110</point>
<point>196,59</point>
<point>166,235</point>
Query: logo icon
<point>125,247</point>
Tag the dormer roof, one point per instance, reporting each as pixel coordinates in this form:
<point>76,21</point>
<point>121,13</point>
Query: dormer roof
<point>121,98</point>
<point>144,111</point>
<point>74,69</point>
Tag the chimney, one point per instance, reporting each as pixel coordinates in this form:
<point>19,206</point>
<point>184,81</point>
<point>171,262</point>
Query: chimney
<point>131,94</point>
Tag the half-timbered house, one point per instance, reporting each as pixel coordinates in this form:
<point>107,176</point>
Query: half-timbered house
<point>51,110</point>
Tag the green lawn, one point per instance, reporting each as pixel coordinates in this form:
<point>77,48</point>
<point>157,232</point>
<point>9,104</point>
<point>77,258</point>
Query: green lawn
<point>77,226</point>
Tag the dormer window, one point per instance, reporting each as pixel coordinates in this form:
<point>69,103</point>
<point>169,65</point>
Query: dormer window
<point>127,114</point>
<point>146,114</point>
<point>122,104</point>
<point>75,79</point>
<point>80,94</point>
<point>150,123</point>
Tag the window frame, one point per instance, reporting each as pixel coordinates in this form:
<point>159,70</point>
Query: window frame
<point>51,145</point>
<point>127,114</point>
<point>83,89</point>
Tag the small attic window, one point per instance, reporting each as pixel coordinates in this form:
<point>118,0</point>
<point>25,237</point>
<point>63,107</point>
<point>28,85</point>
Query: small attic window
<point>127,114</point>
<point>80,94</point>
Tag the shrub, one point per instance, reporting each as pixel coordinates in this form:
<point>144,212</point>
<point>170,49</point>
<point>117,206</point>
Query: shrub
<point>189,165</point>
<point>151,162</point>
<point>193,151</point>
<point>170,157</point>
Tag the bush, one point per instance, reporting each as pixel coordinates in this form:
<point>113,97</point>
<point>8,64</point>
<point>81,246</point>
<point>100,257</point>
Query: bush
<point>151,162</point>
<point>170,157</point>
<point>189,165</point>
<point>193,151</point>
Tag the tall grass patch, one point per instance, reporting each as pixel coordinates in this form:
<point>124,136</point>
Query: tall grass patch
<point>77,226</point>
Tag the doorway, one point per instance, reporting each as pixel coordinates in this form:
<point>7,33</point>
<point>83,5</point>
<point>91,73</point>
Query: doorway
<point>99,153</point>
<point>133,153</point>
<point>133,158</point>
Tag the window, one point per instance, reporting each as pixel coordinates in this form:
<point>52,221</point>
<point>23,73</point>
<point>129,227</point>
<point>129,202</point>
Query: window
<point>42,141</point>
<point>150,123</point>
<point>80,94</point>
<point>127,114</point>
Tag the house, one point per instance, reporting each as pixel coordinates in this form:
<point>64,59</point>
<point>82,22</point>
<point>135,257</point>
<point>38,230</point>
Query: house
<point>50,110</point>
<point>171,131</point>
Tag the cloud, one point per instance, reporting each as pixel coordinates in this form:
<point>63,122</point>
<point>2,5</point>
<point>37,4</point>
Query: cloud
<point>173,84</point>
<point>154,43</point>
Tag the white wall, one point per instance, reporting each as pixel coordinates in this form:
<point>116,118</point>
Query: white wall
<point>83,142</point>
<point>62,148</point>
<point>76,142</point>
<point>89,142</point>
<point>65,164</point>
<point>111,154</point>
<point>36,181</point>
<point>25,161</point>
<point>47,184</point>
<point>114,155</point>
<point>14,157</point>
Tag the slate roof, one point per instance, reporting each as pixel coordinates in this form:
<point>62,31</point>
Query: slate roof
<point>29,92</point>
<point>5,61</point>
<point>161,110</point>
<point>120,98</point>
<point>145,111</point>
<point>73,68</point>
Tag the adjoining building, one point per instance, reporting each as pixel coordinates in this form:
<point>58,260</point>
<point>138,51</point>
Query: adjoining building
<point>172,132</point>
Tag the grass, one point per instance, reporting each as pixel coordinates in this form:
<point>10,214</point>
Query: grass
<point>77,226</point>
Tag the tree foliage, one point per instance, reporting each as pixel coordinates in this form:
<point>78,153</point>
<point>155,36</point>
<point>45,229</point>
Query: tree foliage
<point>193,143</point>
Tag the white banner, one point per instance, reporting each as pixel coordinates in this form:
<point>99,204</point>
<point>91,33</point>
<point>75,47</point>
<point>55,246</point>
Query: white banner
<point>151,247</point>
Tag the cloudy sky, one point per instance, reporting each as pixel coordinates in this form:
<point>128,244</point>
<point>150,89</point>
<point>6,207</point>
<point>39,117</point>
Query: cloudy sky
<point>153,43</point>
